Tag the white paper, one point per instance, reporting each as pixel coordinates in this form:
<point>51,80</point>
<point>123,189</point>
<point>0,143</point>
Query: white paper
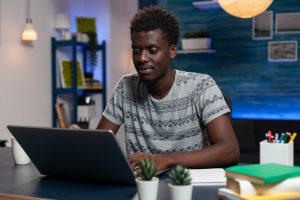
<point>212,176</point>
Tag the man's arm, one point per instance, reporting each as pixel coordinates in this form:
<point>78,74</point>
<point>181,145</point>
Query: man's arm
<point>224,150</point>
<point>107,124</point>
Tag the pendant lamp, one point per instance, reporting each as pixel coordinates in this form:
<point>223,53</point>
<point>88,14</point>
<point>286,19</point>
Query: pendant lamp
<point>29,33</point>
<point>245,8</point>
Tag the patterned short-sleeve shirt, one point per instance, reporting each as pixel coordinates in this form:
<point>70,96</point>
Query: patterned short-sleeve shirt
<point>172,124</point>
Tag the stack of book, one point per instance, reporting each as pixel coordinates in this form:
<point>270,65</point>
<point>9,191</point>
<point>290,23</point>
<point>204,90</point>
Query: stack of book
<point>262,181</point>
<point>92,84</point>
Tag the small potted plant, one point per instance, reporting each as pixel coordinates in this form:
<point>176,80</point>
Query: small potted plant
<point>180,183</point>
<point>194,40</point>
<point>147,183</point>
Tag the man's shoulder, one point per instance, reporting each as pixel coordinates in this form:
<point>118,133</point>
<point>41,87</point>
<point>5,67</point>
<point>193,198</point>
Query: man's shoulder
<point>188,77</point>
<point>129,79</point>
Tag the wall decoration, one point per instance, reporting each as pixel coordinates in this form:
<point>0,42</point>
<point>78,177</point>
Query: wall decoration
<point>282,51</point>
<point>262,26</point>
<point>66,74</point>
<point>287,23</point>
<point>258,93</point>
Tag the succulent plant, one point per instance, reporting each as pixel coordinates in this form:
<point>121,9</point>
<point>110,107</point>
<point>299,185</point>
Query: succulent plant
<point>147,167</point>
<point>180,176</point>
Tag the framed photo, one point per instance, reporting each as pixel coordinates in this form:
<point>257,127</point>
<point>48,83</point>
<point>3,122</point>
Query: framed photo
<point>287,23</point>
<point>262,26</point>
<point>283,51</point>
<point>66,74</point>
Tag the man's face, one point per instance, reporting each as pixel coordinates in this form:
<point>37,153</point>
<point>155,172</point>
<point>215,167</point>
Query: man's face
<point>151,54</point>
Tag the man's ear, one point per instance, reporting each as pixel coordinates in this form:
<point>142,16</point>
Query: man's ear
<point>173,51</point>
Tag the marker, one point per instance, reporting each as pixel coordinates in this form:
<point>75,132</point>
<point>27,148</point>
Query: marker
<point>276,138</point>
<point>281,137</point>
<point>270,133</point>
<point>293,137</point>
<point>288,137</point>
<point>267,137</point>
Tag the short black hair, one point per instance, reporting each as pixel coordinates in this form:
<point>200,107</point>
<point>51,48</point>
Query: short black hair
<point>150,18</point>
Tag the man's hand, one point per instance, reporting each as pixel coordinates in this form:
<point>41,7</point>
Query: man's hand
<point>161,160</point>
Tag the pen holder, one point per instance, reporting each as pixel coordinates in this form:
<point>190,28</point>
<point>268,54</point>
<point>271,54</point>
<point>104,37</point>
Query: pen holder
<point>281,153</point>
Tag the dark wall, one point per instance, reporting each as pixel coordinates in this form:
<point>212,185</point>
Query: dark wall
<point>251,132</point>
<point>258,89</point>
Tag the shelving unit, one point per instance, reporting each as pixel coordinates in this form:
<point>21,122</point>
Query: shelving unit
<point>213,4</point>
<point>74,91</point>
<point>196,51</point>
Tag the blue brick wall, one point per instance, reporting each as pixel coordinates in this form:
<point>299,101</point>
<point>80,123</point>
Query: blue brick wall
<point>259,89</point>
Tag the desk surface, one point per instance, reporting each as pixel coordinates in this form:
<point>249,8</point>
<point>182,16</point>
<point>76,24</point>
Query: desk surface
<point>26,180</point>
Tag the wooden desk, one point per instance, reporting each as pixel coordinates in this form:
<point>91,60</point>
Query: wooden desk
<point>26,180</point>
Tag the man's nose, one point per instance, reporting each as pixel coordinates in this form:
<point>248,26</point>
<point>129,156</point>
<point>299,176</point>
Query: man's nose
<point>143,57</point>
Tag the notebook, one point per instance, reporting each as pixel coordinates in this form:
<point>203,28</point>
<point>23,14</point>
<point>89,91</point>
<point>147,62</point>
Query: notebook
<point>263,173</point>
<point>79,154</point>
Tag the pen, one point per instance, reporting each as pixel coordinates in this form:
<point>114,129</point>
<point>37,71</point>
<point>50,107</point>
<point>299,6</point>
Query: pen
<point>293,137</point>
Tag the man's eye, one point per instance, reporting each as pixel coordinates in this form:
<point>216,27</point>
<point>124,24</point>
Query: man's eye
<point>135,51</point>
<point>153,51</point>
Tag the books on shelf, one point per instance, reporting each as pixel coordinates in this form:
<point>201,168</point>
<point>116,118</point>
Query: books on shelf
<point>213,176</point>
<point>61,115</point>
<point>263,173</point>
<point>92,84</point>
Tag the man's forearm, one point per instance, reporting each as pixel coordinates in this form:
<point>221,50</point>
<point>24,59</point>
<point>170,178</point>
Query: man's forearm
<point>218,155</point>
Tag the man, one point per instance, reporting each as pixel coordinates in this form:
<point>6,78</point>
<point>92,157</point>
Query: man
<point>165,111</point>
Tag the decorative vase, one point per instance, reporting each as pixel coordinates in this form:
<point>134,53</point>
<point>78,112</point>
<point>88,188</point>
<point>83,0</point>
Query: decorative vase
<point>195,43</point>
<point>147,190</point>
<point>181,192</point>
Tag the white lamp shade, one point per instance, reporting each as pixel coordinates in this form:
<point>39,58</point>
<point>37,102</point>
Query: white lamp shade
<point>29,32</point>
<point>245,8</point>
<point>62,21</point>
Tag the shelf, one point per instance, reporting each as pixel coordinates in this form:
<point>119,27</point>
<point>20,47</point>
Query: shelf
<point>196,51</point>
<point>75,91</point>
<point>65,43</point>
<point>213,4</point>
<point>70,90</point>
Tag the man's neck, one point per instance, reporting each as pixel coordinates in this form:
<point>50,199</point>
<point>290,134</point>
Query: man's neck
<point>160,88</point>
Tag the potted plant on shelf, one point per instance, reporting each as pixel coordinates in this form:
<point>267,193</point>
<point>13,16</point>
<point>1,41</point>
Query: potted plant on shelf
<point>195,40</point>
<point>147,183</point>
<point>180,183</point>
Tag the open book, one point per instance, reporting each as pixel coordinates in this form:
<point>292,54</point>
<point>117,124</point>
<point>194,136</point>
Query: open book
<point>212,176</point>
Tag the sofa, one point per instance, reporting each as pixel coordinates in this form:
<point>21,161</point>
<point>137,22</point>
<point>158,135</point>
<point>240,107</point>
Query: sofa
<point>250,132</point>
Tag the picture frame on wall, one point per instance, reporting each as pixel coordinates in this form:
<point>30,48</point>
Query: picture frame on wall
<point>262,26</point>
<point>66,74</point>
<point>283,51</point>
<point>287,23</point>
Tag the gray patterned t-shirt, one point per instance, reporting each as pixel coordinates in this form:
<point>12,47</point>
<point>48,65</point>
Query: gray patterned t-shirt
<point>172,124</point>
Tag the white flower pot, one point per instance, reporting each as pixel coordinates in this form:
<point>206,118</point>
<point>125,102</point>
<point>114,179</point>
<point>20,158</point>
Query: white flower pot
<point>181,192</point>
<point>147,190</point>
<point>195,43</point>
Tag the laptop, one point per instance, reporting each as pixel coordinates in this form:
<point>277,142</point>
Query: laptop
<point>80,154</point>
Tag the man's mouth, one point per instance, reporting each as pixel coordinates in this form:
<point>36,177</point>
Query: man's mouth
<point>144,69</point>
